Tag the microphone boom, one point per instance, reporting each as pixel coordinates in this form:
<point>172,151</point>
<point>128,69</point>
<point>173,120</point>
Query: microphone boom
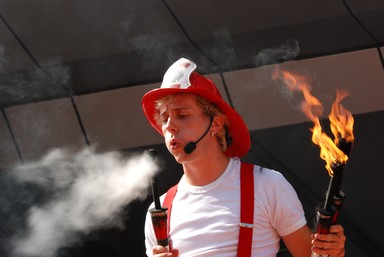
<point>191,146</point>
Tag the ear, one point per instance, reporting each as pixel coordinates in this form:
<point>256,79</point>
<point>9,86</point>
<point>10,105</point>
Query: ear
<point>217,123</point>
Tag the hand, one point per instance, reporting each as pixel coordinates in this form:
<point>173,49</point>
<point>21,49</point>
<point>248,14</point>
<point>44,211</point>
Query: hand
<point>161,251</point>
<point>332,244</point>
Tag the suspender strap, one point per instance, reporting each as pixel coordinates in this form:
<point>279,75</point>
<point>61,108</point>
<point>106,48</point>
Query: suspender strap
<point>246,210</point>
<point>168,204</point>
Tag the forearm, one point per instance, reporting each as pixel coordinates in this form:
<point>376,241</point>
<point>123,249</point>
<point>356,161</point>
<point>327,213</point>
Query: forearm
<point>299,242</point>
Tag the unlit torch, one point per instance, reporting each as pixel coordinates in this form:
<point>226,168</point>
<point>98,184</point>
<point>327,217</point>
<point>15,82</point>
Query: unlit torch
<point>158,213</point>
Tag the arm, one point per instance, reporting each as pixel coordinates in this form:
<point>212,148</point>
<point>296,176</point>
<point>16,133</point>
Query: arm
<point>299,242</point>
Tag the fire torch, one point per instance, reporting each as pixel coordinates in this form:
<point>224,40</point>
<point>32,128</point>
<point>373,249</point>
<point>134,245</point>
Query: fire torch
<point>336,156</point>
<point>158,213</point>
<point>334,152</point>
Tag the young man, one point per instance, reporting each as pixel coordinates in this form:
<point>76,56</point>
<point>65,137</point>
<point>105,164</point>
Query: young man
<point>207,137</point>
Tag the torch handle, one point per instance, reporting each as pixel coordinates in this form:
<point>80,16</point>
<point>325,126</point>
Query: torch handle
<point>334,184</point>
<point>160,226</point>
<point>324,221</point>
<point>338,201</point>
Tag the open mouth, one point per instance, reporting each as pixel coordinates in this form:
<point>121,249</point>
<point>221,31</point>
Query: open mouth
<point>174,144</point>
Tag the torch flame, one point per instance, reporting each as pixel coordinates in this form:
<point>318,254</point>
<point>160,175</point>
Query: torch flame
<point>341,119</point>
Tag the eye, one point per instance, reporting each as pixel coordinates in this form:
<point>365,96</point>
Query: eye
<point>164,119</point>
<point>183,115</point>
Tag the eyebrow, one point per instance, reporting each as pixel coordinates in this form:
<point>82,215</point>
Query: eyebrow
<point>177,109</point>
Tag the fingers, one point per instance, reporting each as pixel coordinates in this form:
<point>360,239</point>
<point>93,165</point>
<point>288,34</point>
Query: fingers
<point>335,236</point>
<point>328,252</point>
<point>332,243</point>
<point>175,253</point>
<point>161,251</point>
<point>336,229</point>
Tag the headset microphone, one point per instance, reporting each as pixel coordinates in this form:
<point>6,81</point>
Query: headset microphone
<point>191,146</point>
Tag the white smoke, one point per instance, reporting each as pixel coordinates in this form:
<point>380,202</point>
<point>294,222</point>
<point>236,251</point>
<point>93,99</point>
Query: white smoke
<point>287,51</point>
<point>85,191</point>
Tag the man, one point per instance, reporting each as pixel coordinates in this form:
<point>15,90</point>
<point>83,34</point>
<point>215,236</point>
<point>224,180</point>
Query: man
<point>207,137</point>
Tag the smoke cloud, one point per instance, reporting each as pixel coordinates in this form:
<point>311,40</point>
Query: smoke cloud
<point>50,80</point>
<point>287,51</point>
<point>267,60</point>
<point>77,193</point>
<point>224,48</point>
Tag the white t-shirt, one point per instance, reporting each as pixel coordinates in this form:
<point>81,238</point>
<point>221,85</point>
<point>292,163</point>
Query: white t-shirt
<point>205,219</point>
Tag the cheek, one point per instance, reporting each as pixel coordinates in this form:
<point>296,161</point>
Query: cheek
<point>167,138</point>
<point>164,131</point>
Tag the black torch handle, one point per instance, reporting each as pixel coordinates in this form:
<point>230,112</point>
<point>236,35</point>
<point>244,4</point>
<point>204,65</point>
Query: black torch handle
<point>334,184</point>
<point>338,201</point>
<point>339,196</point>
<point>155,194</point>
<point>324,220</point>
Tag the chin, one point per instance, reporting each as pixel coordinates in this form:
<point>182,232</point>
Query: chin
<point>180,156</point>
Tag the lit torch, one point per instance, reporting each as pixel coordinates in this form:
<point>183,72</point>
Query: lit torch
<point>334,152</point>
<point>336,155</point>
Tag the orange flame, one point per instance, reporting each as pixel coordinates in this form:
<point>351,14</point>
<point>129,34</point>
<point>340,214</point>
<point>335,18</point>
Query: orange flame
<point>340,118</point>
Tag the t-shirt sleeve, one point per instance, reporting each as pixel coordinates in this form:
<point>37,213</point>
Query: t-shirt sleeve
<point>285,208</point>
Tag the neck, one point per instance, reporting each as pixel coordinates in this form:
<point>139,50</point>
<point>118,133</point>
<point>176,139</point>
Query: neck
<point>205,170</point>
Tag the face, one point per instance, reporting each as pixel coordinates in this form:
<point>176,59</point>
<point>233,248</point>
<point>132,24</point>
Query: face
<point>182,121</point>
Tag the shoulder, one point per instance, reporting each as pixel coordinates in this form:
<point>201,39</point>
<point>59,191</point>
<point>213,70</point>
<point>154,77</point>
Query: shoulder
<point>266,175</point>
<point>262,175</point>
<point>270,182</point>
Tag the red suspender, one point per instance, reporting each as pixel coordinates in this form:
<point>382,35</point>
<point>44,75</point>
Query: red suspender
<point>246,209</point>
<point>168,203</point>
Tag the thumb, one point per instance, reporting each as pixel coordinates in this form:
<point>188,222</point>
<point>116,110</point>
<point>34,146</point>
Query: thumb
<point>175,253</point>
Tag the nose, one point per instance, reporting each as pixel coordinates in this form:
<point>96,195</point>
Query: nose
<point>170,126</point>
